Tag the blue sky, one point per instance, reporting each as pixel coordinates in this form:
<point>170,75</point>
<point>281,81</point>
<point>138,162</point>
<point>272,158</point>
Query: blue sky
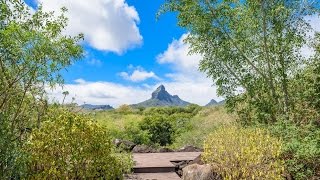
<point>128,54</point>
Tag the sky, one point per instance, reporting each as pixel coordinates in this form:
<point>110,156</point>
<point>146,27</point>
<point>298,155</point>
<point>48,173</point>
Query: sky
<point>128,54</point>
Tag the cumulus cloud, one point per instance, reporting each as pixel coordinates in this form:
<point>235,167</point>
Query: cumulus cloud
<point>186,80</point>
<point>138,74</point>
<point>99,93</point>
<point>177,55</point>
<point>108,25</point>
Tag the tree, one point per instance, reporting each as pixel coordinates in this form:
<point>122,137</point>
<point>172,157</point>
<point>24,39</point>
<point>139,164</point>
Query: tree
<point>253,44</point>
<point>33,51</point>
<point>65,94</point>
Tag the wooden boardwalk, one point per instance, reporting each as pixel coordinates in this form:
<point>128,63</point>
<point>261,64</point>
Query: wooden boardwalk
<point>159,166</point>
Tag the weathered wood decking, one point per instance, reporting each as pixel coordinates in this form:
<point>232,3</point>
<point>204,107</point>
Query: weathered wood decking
<point>159,166</point>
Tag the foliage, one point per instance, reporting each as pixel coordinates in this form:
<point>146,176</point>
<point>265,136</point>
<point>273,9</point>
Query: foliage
<point>159,128</point>
<point>192,109</point>
<point>124,109</point>
<point>201,125</point>
<point>164,124</point>
<point>244,153</point>
<point>256,46</point>
<point>33,51</point>
<point>250,44</point>
<point>72,146</point>
<point>146,125</point>
<point>134,133</point>
<point>301,149</point>
<point>305,87</point>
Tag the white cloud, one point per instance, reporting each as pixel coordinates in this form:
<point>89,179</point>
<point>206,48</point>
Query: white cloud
<point>108,25</point>
<point>186,80</point>
<point>100,93</point>
<point>138,75</point>
<point>177,55</point>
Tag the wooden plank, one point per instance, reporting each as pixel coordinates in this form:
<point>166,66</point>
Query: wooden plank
<point>162,159</point>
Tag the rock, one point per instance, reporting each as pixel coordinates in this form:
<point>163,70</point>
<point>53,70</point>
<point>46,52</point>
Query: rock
<point>163,150</point>
<point>182,164</point>
<point>199,172</point>
<point>190,149</point>
<point>197,160</point>
<point>143,149</point>
<point>126,145</point>
<point>179,166</point>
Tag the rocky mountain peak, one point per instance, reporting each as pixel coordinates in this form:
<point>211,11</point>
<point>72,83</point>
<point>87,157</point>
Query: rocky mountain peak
<point>161,94</point>
<point>160,97</point>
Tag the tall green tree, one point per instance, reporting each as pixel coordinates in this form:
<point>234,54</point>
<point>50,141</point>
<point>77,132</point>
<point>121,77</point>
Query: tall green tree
<point>33,51</point>
<point>253,45</point>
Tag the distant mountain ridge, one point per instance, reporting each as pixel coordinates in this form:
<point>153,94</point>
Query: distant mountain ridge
<point>214,103</point>
<point>160,97</point>
<point>96,107</point>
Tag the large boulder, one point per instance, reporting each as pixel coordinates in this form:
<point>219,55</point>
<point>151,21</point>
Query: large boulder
<point>199,172</point>
<point>143,149</point>
<point>182,164</point>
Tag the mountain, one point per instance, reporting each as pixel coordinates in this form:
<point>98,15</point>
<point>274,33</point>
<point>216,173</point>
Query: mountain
<point>96,107</point>
<point>215,103</point>
<point>212,103</point>
<point>160,97</point>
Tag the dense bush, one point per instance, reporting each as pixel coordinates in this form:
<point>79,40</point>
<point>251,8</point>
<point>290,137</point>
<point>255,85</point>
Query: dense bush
<point>124,109</point>
<point>301,148</point>
<point>163,124</point>
<point>72,146</point>
<point>159,128</point>
<point>192,110</point>
<point>244,153</point>
<point>134,133</point>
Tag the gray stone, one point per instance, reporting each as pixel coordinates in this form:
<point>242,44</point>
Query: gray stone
<point>199,172</point>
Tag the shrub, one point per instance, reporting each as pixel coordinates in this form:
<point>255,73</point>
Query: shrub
<point>301,148</point>
<point>159,129</point>
<point>244,153</point>
<point>124,109</point>
<point>72,146</point>
<point>135,134</point>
